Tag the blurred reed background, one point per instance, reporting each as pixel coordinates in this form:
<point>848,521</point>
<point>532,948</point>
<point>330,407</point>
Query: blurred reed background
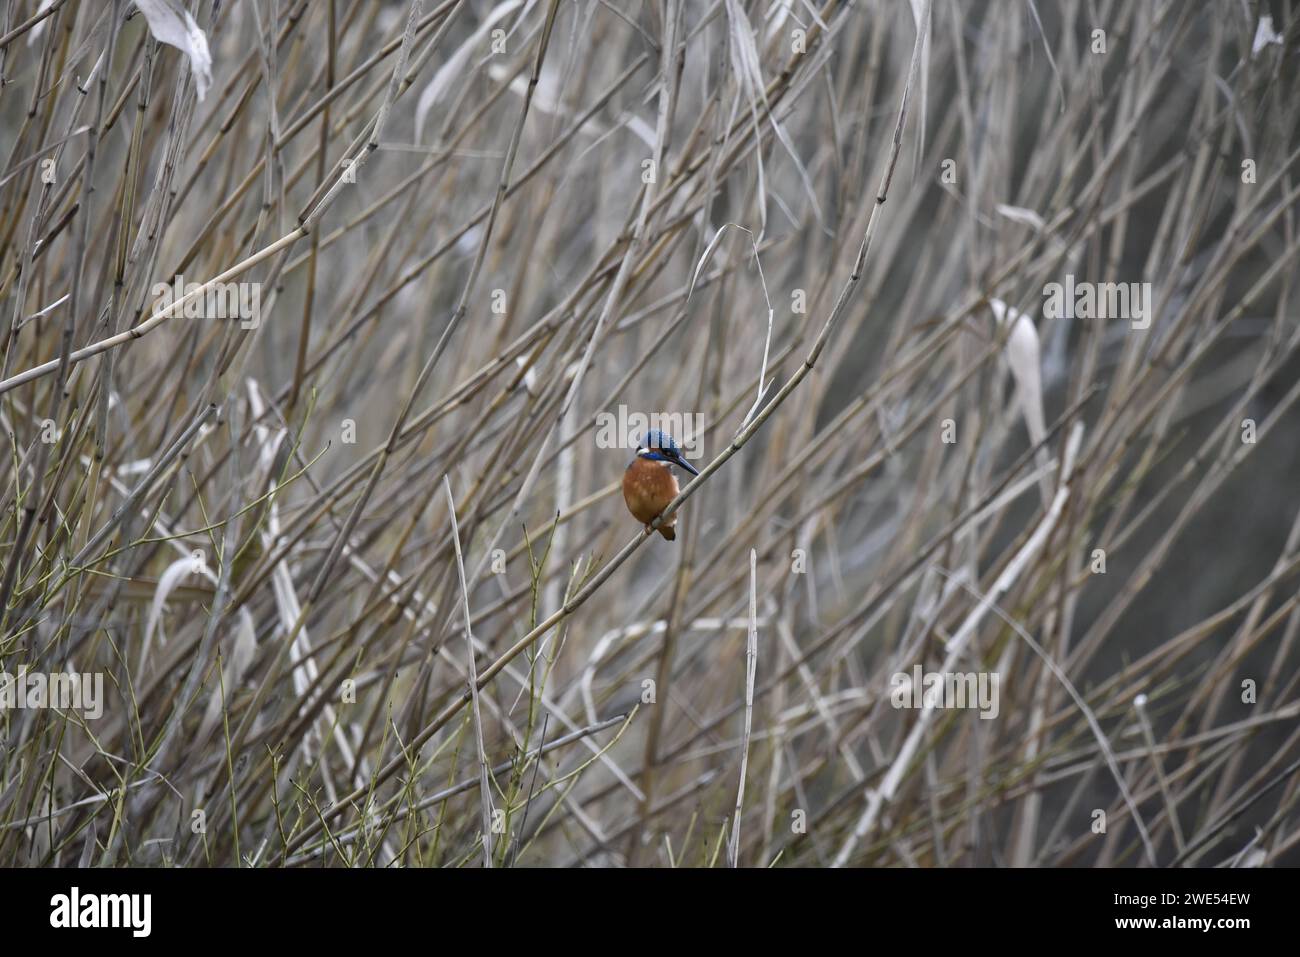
<point>466,230</point>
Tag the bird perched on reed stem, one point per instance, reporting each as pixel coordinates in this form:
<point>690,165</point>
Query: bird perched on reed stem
<point>649,483</point>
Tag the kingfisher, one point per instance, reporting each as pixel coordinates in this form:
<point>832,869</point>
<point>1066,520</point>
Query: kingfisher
<point>649,483</point>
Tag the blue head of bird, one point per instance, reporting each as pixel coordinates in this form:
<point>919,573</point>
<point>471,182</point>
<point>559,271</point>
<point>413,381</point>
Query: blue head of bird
<point>659,446</point>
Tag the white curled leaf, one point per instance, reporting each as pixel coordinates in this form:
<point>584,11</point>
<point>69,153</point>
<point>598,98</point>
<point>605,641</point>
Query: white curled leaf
<point>1256,857</point>
<point>455,65</point>
<point>1023,354</point>
<point>177,28</point>
<point>1264,35</point>
<point>174,574</point>
<point>1022,351</point>
<point>35,32</point>
<point>1018,214</point>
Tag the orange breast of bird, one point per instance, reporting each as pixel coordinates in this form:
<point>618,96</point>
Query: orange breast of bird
<point>647,488</point>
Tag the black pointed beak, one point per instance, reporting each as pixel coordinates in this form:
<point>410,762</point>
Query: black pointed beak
<point>678,460</point>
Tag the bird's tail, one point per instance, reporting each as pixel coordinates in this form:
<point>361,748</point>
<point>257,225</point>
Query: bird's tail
<point>667,532</point>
